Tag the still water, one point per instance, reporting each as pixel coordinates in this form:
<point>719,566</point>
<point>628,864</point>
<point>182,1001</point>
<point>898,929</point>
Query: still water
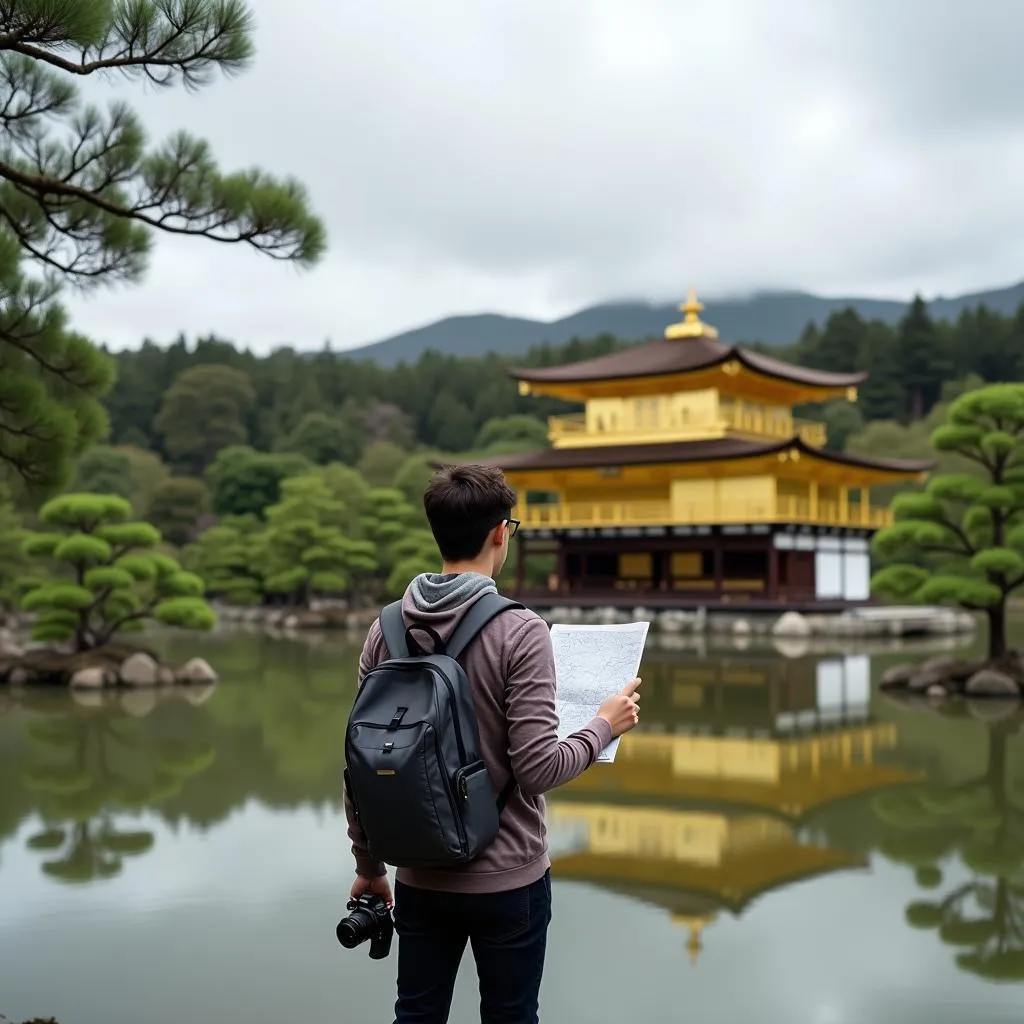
<point>778,843</point>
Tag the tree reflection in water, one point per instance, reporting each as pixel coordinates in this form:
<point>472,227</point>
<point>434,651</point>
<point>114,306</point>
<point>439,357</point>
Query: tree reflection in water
<point>91,770</point>
<point>981,819</point>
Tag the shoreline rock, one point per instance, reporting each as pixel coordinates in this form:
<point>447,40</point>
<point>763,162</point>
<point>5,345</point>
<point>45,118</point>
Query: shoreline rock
<point>110,667</point>
<point>855,623</point>
<point>938,678</point>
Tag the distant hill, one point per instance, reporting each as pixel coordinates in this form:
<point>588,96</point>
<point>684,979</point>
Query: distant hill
<point>775,318</point>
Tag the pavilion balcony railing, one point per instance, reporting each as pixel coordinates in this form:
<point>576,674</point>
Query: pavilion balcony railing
<point>573,431</point>
<point>784,509</point>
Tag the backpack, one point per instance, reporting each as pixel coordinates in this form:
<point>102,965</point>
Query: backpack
<point>413,771</point>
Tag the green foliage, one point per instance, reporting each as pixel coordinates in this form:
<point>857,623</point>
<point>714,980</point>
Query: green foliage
<point>204,411</point>
<point>12,557</point>
<point>961,541</point>
<point>379,463</point>
<point>81,194</point>
<point>177,505</point>
<point>303,552</point>
<point>414,553</point>
<point>222,557</point>
<point>107,575</point>
<point>413,476</point>
<point>322,438</point>
<point>512,433</point>
<point>124,470</point>
<point>244,481</point>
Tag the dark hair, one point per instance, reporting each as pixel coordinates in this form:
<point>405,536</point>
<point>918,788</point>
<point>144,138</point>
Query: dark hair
<point>463,504</point>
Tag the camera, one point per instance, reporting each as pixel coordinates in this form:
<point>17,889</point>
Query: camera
<point>370,918</point>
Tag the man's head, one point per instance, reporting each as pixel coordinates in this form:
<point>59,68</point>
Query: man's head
<point>468,508</point>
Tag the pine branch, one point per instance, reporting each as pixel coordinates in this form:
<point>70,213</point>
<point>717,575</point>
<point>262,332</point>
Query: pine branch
<point>155,38</point>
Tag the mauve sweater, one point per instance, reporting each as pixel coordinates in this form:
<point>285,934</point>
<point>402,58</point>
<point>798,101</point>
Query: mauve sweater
<point>510,666</point>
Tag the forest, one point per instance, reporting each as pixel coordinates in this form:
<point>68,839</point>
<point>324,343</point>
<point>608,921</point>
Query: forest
<point>246,465</point>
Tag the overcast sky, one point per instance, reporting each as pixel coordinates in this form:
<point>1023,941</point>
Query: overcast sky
<point>536,156</point>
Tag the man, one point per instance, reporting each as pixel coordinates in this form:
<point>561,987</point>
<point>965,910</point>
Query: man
<point>499,903</point>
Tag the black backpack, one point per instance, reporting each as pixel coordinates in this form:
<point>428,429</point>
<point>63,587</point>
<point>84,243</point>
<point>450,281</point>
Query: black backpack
<point>421,792</point>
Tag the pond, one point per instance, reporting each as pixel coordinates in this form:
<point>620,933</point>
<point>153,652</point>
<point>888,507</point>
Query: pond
<point>778,843</point>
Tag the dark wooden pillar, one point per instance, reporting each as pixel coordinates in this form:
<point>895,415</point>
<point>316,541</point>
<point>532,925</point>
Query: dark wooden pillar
<point>561,568</point>
<point>719,566</point>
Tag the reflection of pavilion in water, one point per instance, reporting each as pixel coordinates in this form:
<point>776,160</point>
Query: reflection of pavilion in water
<point>708,809</point>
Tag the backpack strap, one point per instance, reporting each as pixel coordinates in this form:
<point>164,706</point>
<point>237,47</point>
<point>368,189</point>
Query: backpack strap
<point>392,625</point>
<point>480,613</point>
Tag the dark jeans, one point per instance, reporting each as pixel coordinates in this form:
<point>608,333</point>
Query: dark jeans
<point>507,932</point>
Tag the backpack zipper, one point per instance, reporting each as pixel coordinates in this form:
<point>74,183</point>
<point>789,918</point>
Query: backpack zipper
<point>463,840</point>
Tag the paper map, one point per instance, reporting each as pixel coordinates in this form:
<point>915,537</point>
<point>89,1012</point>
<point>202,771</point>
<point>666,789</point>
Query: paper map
<point>592,663</point>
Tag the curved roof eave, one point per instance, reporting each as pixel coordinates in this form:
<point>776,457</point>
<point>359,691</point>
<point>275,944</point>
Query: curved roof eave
<point>614,367</point>
<point>720,450</point>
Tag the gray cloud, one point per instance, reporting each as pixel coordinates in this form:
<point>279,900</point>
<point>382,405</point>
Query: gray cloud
<point>535,157</point>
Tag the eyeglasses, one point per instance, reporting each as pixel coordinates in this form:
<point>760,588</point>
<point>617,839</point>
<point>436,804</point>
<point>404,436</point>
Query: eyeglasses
<point>513,526</point>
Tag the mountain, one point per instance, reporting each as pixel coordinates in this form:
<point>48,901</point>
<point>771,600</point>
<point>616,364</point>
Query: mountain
<point>775,318</point>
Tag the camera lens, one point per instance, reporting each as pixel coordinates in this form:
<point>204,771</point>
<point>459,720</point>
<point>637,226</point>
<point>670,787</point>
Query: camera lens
<point>356,928</point>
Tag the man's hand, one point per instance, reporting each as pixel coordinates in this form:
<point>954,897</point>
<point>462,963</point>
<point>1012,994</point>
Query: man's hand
<point>378,886</point>
<point>621,711</point>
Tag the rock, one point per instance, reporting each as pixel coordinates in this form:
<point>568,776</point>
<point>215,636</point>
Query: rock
<point>18,676</point>
<point>95,677</point>
<point>9,646</point>
<point>792,624</point>
<point>197,671</point>
<point>741,628</point>
<point>937,691</point>
<point>991,683</point>
<point>165,676</point>
<point>139,670</point>
<point>925,678</point>
<point>898,677</point>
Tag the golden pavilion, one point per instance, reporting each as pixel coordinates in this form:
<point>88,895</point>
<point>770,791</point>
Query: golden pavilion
<point>686,479</point>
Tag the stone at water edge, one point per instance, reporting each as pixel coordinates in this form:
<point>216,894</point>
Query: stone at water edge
<point>936,691</point>
<point>10,648</point>
<point>165,676</point>
<point>741,628</point>
<point>95,677</point>
<point>990,683</point>
<point>791,624</point>
<point>140,670</point>
<point>925,678</point>
<point>898,676</point>
<point>197,671</point>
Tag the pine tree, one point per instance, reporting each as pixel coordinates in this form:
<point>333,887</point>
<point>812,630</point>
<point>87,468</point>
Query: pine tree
<point>108,577</point>
<point>882,396</point>
<point>840,345</point>
<point>81,194</point>
<point>924,360</point>
<point>968,528</point>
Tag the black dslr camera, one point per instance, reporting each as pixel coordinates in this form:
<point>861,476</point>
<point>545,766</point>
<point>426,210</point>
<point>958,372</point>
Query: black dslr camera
<point>370,918</point>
